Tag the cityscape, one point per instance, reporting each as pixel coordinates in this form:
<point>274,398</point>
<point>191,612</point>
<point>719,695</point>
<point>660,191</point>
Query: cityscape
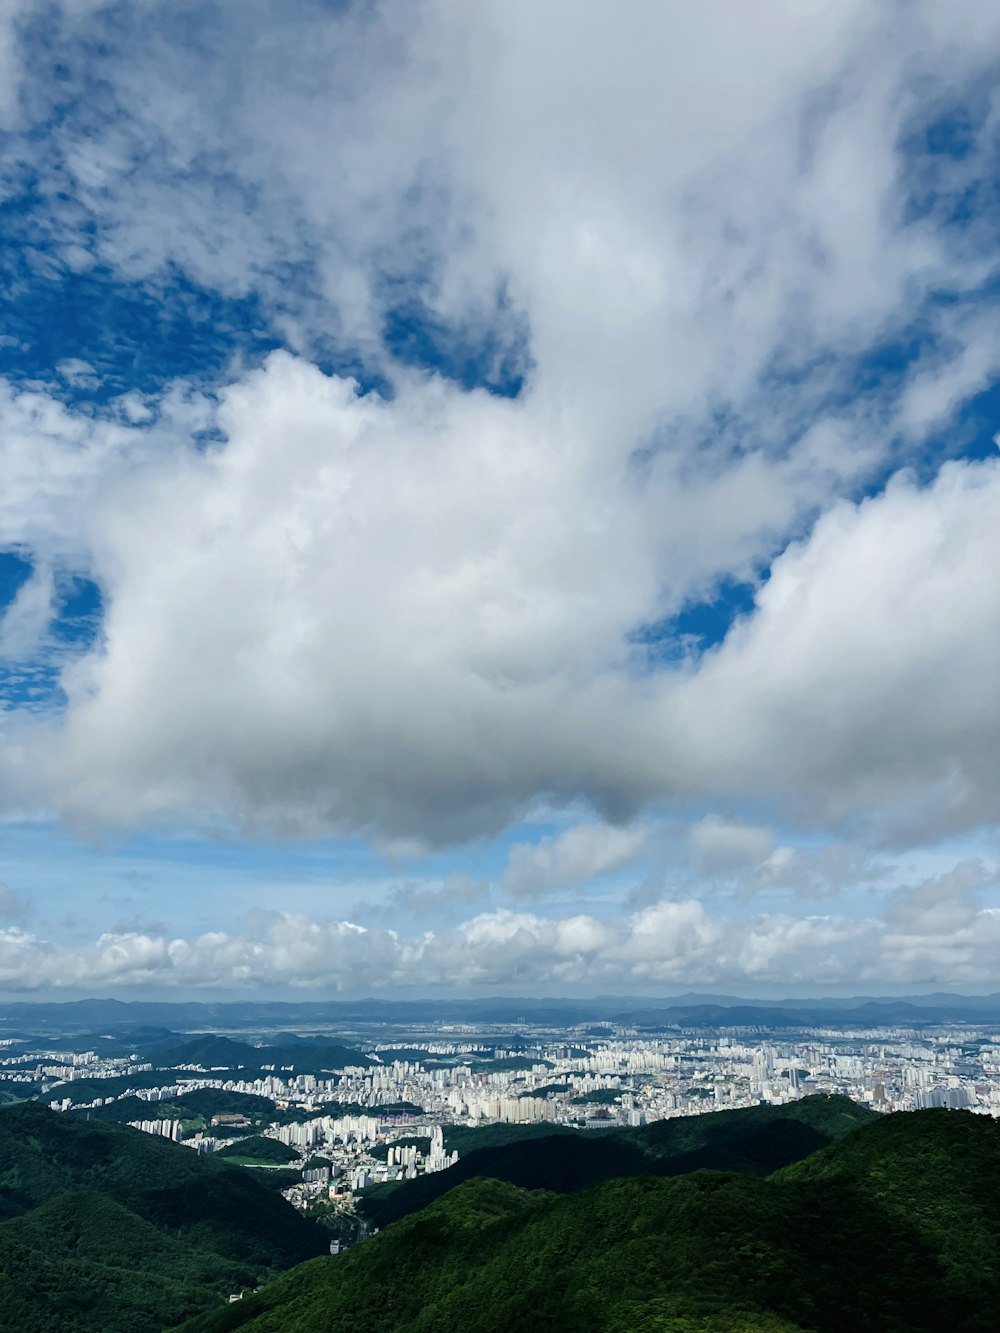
<point>392,1118</point>
<point>499,666</point>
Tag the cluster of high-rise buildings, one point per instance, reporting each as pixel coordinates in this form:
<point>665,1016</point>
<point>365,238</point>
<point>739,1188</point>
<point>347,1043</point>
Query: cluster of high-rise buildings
<point>168,1129</point>
<point>402,1108</point>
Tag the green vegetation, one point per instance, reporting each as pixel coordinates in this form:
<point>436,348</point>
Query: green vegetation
<point>599,1097</point>
<point>467,1138</point>
<point>314,1055</point>
<point>122,1041</point>
<point>546,1089</point>
<point>381,1150</point>
<point>206,1102</point>
<point>755,1140</point>
<point>272,1177</point>
<point>89,1089</point>
<point>209,1051</point>
<point>894,1227</point>
<point>127,1109</point>
<point>305,1055</point>
<point>411,1054</point>
<point>193,1109</point>
<point>196,1108</point>
<point>104,1229</point>
<point>337,1222</point>
<point>316,1163</point>
<point>259,1151</point>
<point>385,1203</point>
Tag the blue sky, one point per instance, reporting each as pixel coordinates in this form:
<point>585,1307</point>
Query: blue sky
<point>498,502</point>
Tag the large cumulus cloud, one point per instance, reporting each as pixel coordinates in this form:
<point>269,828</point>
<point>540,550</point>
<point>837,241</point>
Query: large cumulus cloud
<point>413,619</point>
<point>419,614</point>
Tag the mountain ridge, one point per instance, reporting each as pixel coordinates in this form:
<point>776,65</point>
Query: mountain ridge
<point>813,1248</point>
<point>82,1015</point>
<point>76,1195</point>
<point>752,1140</point>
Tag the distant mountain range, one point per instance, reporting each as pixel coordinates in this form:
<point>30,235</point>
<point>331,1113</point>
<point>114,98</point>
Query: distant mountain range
<point>118,1016</point>
<point>168,1049</point>
<point>894,1226</point>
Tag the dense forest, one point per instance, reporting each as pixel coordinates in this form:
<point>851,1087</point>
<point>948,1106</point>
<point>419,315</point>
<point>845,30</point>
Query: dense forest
<point>894,1226</point>
<point>259,1150</point>
<point>815,1217</point>
<point>754,1140</point>
<point>104,1229</point>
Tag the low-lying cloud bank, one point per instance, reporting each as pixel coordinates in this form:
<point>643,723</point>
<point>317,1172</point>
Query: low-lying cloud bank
<point>930,933</point>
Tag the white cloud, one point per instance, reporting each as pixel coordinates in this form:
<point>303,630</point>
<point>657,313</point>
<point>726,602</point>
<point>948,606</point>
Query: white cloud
<point>572,858</point>
<point>419,897</point>
<point>818,872</point>
<point>867,679</point>
<point>669,179</point>
<point>747,859</point>
<point>939,928</point>
<point>411,618</point>
<point>932,934</point>
<point>25,622</point>
<point>941,906</point>
<point>330,623</point>
<point>721,846</point>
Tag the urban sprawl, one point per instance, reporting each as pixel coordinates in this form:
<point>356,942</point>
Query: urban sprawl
<point>403,1105</point>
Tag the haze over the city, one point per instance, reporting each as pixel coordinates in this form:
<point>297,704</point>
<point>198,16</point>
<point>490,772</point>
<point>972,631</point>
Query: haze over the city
<point>499,499</point>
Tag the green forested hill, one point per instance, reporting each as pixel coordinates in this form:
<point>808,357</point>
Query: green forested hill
<point>106,1228</point>
<point>495,1134</point>
<point>194,1108</point>
<point>303,1055</point>
<point>209,1050</point>
<point>895,1227</point>
<point>257,1148</point>
<point>754,1140</point>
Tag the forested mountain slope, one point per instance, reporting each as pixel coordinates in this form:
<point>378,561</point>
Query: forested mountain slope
<point>106,1228</point>
<point>754,1140</point>
<point>894,1227</point>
